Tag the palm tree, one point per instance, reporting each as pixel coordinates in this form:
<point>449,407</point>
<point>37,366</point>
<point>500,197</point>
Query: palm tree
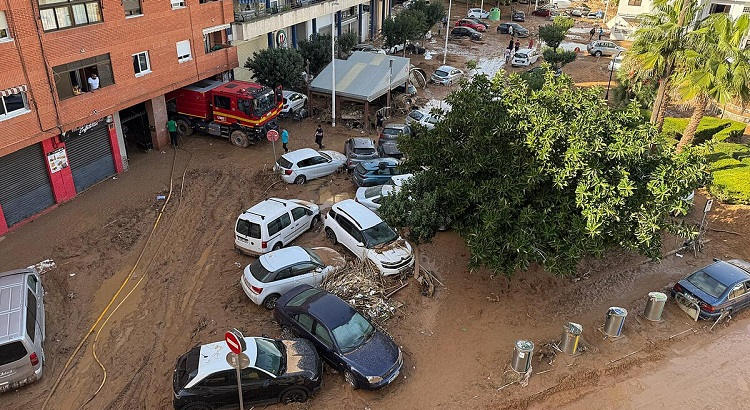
<point>718,69</point>
<point>660,44</point>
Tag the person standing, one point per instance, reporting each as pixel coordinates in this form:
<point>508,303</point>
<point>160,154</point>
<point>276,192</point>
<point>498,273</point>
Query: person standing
<point>510,31</point>
<point>510,45</point>
<point>378,121</point>
<point>518,45</point>
<point>531,42</point>
<point>601,33</point>
<point>284,139</point>
<point>319,137</point>
<point>93,82</point>
<point>507,56</point>
<point>172,128</point>
<point>591,33</point>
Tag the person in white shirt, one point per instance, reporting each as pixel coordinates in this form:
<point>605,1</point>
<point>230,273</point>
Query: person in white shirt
<point>93,82</point>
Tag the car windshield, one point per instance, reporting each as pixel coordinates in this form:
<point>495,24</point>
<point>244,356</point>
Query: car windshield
<point>391,132</point>
<point>378,235</point>
<point>270,356</point>
<point>326,156</point>
<point>521,55</point>
<point>314,256</point>
<point>441,73</point>
<point>11,352</point>
<point>707,283</point>
<point>260,272</point>
<point>360,169</point>
<point>264,103</point>
<point>284,163</point>
<point>373,191</point>
<point>364,151</point>
<point>353,333</point>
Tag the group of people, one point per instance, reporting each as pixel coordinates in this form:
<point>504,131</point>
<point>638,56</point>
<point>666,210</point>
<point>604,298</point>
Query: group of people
<point>513,47</point>
<point>173,135</point>
<point>593,31</point>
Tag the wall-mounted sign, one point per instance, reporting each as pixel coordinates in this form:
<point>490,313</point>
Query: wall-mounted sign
<point>58,160</point>
<point>281,38</point>
<point>82,130</point>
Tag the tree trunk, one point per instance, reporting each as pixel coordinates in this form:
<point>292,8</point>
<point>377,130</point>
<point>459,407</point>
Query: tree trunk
<point>701,102</point>
<point>658,100</point>
<point>416,261</point>
<point>662,112</point>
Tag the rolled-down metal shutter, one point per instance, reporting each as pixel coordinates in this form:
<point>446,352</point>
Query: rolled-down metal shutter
<point>25,188</point>
<point>90,156</point>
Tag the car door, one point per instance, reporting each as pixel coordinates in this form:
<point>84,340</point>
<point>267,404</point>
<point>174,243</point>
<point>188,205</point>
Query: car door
<point>382,175</point>
<point>738,297</point>
<point>257,385</point>
<point>301,217</point>
<point>317,166</point>
<point>35,304</point>
<point>286,228</point>
<point>219,388</point>
<point>304,168</point>
<point>324,341</point>
<point>303,273</point>
<point>352,237</point>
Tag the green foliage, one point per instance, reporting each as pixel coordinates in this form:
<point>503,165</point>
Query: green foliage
<point>317,51</point>
<point>558,58</point>
<point>630,87</point>
<point>709,129</point>
<point>277,66</point>
<point>730,167</point>
<point>552,35</point>
<point>547,177</point>
<point>406,26</point>
<point>471,64</point>
<point>345,43</point>
<point>433,13</point>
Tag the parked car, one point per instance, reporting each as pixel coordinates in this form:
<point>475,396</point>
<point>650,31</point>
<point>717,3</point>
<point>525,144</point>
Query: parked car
<point>616,63</point>
<point>600,48</point>
<point>293,102</point>
<point>595,15</point>
<point>368,237</point>
<point>375,172</point>
<point>518,15</point>
<point>542,12</point>
<point>471,24</point>
<point>284,371</point>
<point>345,339</point>
<point>274,273</point>
<point>476,20</point>
<point>368,48</point>
<point>388,141</point>
<point>305,164</point>
<point>371,196</point>
<point>422,118</point>
<point>525,57</point>
<point>415,48</point>
<point>446,75</point>
<point>273,223</point>
<point>518,29</point>
<point>722,287</point>
<point>523,1</point>
<point>22,328</point>
<point>359,149</point>
<point>461,32</point>
<point>478,13</point>
<point>580,11</point>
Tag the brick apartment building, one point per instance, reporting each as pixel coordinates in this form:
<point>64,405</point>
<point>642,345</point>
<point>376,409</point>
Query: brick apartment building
<point>59,137</point>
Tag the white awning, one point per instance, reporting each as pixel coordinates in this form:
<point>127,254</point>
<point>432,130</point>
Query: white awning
<point>13,90</point>
<point>215,28</point>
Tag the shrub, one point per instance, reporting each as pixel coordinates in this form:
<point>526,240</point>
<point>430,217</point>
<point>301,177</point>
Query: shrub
<point>730,167</point>
<point>710,128</point>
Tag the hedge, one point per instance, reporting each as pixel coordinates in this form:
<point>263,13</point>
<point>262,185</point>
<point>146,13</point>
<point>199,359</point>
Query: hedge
<point>730,168</point>
<point>714,128</point>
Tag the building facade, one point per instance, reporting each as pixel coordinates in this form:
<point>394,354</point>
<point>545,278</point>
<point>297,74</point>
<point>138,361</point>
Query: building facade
<point>261,24</point>
<point>83,81</point>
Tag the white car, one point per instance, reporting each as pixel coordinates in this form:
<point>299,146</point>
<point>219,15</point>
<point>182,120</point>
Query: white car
<point>368,237</point>
<point>371,197</point>
<point>478,13</point>
<point>274,273</point>
<point>305,164</point>
<point>273,223</point>
<point>525,57</point>
<point>616,63</point>
<point>293,102</point>
<point>423,118</point>
<point>446,75</point>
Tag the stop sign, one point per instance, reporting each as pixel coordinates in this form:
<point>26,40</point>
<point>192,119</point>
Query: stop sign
<point>235,341</point>
<point>272,135</point>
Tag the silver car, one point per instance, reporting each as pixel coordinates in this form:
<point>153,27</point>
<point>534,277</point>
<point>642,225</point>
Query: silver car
<point>359,149</point>
<point>603,48</point>
<point>446,75</point>
<point>21,328</point>
<point>423,118</point>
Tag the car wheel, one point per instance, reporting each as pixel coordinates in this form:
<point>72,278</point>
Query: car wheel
<point>270,301</point>
<point>197,405</point>
<point>239,139</point>
<point>184,128</point>
<point>300,180</point>
<point>294,395</point>
<point>349,377</point>
<point>314,222</point>
<point>598,54</point>
<point>331,236</point>
<point>277,246</point>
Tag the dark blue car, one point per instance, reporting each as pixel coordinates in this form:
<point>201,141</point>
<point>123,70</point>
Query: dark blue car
<point>721,287</point>
<point>375,172</point>
<point>345,339</point>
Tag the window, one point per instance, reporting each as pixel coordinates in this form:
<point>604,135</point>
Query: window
<point>245,105</point>
<point>302,298</point>
<point>298,212</point>
<point>222,102</point>
<point>248,228</point>
<point>4,30</point>
<point>278,224</point>
<point>302,268</point>
<point>60,14</point>
<point>141,64</point>
<point>183,51</point>
<point>305,320</point>
<point>32,282</point>
<point>217,379</point>
<point>132,7</point>
<point>285,273</point>
<point>250,375</point>
<point>719,8</point>
<point>746,10</point>
<point>31,315</point>
<point>737,291</point>
<point>332,214</point>
<point>634,3</point>
<point>177,4</point>
<point>73,78</point>
<point>215,40</point>
<point>322,334</point>
<point>11,352</point>
<point>13,104</point>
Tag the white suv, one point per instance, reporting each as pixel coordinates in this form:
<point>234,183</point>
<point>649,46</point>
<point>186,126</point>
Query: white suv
<point>273,223</point>
<point>369,238</point>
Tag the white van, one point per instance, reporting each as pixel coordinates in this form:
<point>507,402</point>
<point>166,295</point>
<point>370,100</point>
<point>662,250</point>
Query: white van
<point>21,328</point>
<point>273,224</point>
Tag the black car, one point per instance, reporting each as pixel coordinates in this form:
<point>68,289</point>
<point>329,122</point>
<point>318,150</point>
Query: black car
<point>461,32</point>
<point>518,15</point>
<point>388,140</point>
<point>518,29</point>
<point>277,371</point>
<point>345,339</point>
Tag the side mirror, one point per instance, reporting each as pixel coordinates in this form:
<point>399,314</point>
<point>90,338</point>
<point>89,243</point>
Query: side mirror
<point>360,245</point>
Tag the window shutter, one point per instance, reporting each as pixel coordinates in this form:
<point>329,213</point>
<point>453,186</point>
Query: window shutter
<point>183,49</point>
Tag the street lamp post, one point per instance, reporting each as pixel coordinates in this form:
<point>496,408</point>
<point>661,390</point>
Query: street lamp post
<point>447,29</point>
<point>611,70</point>
<point>390,82</point>
<point>333,65</point>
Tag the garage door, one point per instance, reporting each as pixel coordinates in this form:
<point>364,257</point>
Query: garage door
<point>90,155</point>
<point>25,188</point>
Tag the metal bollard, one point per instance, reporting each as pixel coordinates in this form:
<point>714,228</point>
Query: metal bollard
<point>655,306</point>
<point>570,337</point>
<point>615,321</point>
<point>522,354</point>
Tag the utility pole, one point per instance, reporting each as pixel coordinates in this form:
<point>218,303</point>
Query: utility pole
<point>447,30</point>
<point>333,66</point>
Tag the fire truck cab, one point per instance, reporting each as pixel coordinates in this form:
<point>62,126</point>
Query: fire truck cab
<point>239,110</point>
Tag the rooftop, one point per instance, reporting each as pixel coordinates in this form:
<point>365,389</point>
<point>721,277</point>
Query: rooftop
<point>364,76</point>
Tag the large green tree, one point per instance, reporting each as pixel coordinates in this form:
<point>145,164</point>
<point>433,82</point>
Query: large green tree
<point>717,70</point>
<point>554,34</point>
<point>433,12</point>
<point>547,176</point>
<point>277,66</point>
<point>317,51</point>
<point>409,25</point>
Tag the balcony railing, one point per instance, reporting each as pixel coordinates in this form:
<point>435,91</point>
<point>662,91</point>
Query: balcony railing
<point>249,10</point>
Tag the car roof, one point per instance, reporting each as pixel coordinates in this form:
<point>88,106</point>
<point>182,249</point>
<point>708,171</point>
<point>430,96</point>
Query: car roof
<point>289,92</point>
<point>373,164</point>
<point>12,300</point>
<point>362,142</point>
<point>726,273</point>
<point>300,154</point>
<point>279,259</point>
<point>365,217</point>
<point>213,358</point>
<point>399,180</point>
<point>269,208</point>
<point>330,310</point>
<point>524,50</point>
<point>445,68</point>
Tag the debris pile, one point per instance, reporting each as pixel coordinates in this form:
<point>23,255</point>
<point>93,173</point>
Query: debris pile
<point>363,287</point>
<point>427,280</point>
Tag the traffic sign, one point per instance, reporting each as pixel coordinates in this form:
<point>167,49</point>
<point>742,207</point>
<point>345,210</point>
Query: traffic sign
<point>235,341</point>
<point>272,135</point>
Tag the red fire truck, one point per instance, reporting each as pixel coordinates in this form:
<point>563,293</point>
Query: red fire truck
<point>239,110</point>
